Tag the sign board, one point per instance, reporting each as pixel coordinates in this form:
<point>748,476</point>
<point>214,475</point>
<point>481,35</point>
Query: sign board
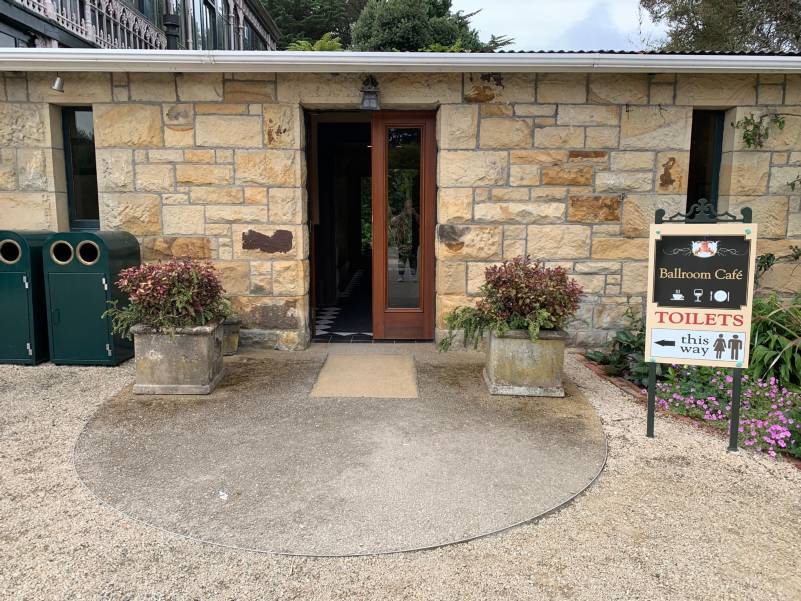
<point>700,287</point>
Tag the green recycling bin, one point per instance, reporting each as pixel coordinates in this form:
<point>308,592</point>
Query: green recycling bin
<point>23,313</point>
<point>80,270</point>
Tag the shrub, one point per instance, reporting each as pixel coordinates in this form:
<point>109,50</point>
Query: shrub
<point>769,413</point>
<point>516,295</point>
<point>624,356</point>
<point>165,296</point>
<point>776,340</point>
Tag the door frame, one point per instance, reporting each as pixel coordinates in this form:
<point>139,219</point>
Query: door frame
<point>404,323</point>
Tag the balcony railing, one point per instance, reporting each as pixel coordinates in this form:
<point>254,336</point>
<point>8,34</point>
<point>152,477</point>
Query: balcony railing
<point>106,23</point>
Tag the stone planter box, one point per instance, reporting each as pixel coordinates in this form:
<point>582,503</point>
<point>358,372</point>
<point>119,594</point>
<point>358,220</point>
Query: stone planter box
<point>516,365</point>
<point>189,361</point>
<point>231,328</point>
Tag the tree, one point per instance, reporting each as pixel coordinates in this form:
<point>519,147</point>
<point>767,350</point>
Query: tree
<point>728,25</point>
<point>310,20</point>
<point>327,43</point>
<point>410,25</point>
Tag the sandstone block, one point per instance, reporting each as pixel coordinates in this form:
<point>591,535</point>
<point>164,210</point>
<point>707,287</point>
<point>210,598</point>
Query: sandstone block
<point>8,169</point>
<point>496,109</point>
<point>588,115</point>
<point>167,247</point>
<point>215,195</point>
<point>234,276</point>
<point>567,175</point>
<point>662,93</point>
<point>199,156</point>
<point>510,194</point>
<point>770,94</point>
<point>746,173</point>
<point>624,181</point>
<point>79,88</point>
<point>466,168</point>
<point>499,87</point>
<point>710,89</point>
<point>451,277</point>
<point>191,174</point>
<point>632,161</point>
<point>455,205</point>
<point>559,137</point>
<point>513,248</point>
<point>261,277</point>
<point>290,278</point>
<point>127,125</point>
<point>598,267</point>
<point>595,157</point>
<point>184,219</point>
<point>33,172</point>
<point>672,169</point>
<point>155,178</point>
<point>287,205</point>
<point>538,157</point>
<point>782,278</point>
<point>638,211</point>
<point>164,156</point>
<point>562,87</point>
<point>656,127</point>
<point>24,125</point>
<point>248,91</point>
<point>331,90</point>
<point>282,126</point>
<point>635,278</point>
<point>134,212</point>
<point>590,283</point>
<point>269,167</point>
<point>179,117</point>
<point>770,212</point>
<point>28,210</point>
<point>229,131</point>
<point>272,313</point>
<point>200,87</point>
<point>549,242</point>
<point>405,90</point>
<point>505,133</point>
<point>602,137</point>
<point>616,88</point>
<point>468,242</point>
<point>237,214</point>
<point>153,87</point>
<point>447,303</point>
<point>593,208</point>
<point>535,110</point>
<point>458,126</point>
<point>519,212</point>
<point>524,175</point>
<point>620,248</point>
<point>612,316</point>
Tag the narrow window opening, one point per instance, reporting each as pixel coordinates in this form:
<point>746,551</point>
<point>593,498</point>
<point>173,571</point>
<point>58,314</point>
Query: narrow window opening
<point>79,155</point>
<point>706,146</point>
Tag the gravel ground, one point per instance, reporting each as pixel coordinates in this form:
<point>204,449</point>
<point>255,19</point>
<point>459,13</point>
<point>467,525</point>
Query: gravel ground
<point>672,518</point>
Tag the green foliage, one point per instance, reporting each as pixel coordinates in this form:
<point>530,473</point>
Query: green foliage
<point>411,25</point>
<point>327,43</point>
<point>310,20</point>
<point>516,295</point>
<point>624,355</point>
<point>763,263</point>
<point>757,130</point>
<point>728,25</point>
<point>165,296</point>
<point>776,340</point>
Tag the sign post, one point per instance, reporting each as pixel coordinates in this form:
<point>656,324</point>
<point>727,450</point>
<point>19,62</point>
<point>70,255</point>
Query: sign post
<point>701,270</point>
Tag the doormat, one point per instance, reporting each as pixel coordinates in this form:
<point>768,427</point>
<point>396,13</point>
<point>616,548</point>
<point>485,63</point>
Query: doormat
<point>373,376</point>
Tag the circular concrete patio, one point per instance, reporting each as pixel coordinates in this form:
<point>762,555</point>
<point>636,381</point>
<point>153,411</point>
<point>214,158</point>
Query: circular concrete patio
<point>261,464</point>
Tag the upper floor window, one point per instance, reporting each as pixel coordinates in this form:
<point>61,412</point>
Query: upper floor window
<point>251,38</point>
<point>211,24</point>
<point>706,147</point>
<point>81,170</point>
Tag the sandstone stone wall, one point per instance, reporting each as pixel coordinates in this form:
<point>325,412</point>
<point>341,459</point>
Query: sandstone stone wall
<point>565,167</point>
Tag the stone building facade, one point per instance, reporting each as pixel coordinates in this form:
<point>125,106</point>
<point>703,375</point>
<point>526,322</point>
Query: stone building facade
<point>565,167</point>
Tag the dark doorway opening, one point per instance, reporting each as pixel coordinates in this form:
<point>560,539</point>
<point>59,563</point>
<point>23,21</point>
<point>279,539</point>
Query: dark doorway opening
<point>341,215</point>
<point>706,149</point>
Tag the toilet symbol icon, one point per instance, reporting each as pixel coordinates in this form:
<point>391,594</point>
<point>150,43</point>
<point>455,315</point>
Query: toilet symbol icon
<point>735,344</point>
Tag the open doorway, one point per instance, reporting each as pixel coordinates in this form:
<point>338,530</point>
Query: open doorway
<point>372,191</point>
<point>342,227</point>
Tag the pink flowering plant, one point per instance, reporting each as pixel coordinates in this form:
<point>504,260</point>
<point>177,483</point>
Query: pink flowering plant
<point>769,413</point>
<point>519,294</point>
<point>173,294</point>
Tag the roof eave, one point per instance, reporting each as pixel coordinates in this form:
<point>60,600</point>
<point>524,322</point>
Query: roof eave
<point>69,59</point>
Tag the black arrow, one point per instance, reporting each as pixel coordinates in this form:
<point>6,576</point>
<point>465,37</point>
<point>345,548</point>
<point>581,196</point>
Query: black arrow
<point>666,342</point>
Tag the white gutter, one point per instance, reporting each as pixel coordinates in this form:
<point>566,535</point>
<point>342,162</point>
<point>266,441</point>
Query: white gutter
<point>70,59</point>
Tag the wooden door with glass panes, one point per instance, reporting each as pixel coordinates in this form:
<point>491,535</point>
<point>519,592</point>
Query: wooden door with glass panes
<point>404,201</point>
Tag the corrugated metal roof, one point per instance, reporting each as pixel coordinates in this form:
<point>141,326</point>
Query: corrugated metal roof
<point>654,52</point>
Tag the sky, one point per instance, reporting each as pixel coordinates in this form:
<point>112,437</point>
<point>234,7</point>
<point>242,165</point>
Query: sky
<point>563,24</point>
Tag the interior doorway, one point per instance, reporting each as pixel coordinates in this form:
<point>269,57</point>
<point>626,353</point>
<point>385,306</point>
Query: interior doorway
<point>368,281</point>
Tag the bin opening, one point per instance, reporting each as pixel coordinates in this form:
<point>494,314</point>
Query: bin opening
<point>88,252</point>
<point>10,251</point>
<point>61,252</point>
